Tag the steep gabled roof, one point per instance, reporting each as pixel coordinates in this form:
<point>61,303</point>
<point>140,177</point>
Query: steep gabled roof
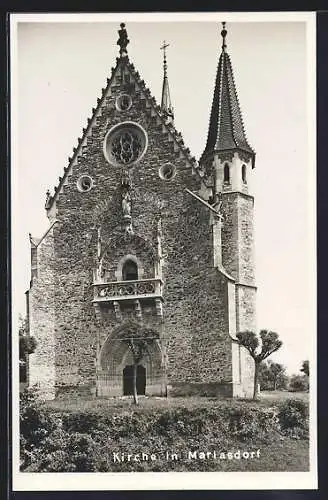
<point>122,62</point>
<point>226,128</point>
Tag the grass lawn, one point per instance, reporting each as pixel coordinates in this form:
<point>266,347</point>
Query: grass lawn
<point>115,404</point>
<point>282,395</point>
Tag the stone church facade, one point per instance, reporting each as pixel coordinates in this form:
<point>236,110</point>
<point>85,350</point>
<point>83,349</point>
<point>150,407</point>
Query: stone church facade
<point>142,236</point>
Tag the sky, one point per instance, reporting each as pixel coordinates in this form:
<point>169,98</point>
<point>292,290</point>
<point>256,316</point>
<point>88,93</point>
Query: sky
<point>58,71</point>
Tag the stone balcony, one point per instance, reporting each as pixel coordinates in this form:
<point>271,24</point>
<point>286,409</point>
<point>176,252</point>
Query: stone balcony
<point>135,291</point>
<point>127,290</point>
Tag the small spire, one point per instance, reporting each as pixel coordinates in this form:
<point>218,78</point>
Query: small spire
<point>224,34</point>
<point>226,128</point>
<point>166,105</point>
<point>123,40</point>
<point>48,199</point>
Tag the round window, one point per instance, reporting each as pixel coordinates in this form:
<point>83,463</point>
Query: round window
<point>125,144</point>
<point>123,102</point>
<point>167,172</point>
<point>84,183</point>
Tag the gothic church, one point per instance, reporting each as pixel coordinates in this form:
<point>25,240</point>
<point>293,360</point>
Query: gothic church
<point>144,238</point>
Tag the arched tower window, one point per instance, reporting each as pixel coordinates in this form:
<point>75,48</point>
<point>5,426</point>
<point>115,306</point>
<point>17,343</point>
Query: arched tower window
<point>226,173</point>
<point>130,271</point>
<point>243,174</point>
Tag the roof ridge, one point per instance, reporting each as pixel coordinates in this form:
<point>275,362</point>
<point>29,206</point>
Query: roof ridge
<point>85,131</point>
<point>239,108</point>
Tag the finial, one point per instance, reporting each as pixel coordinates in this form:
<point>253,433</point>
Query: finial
<point>48,199</point>
<point>123,40</point>
<point>224,34</point>
<point>163,48</point>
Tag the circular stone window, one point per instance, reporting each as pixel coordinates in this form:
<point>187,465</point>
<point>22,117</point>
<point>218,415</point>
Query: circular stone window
<point>123,102</point>
<point>125,144</point>
<point>84,183</point>
<point>167,172</point>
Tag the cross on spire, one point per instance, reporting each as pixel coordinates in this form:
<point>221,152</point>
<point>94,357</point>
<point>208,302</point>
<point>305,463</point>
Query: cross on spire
<point>224,34</point>
<point>163,48</point>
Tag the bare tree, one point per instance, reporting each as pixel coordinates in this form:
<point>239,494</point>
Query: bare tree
<point>138,339</point>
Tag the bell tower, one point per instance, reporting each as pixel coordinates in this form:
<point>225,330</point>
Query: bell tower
<point>228,162</point>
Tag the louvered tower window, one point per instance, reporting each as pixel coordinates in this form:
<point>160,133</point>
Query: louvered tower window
<point>226,174</point>
<point>243,174</point>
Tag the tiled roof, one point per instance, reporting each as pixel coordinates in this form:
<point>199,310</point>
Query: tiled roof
<point>226,128</point>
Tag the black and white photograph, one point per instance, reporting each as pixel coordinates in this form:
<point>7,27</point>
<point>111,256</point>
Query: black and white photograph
<point>163,174</point>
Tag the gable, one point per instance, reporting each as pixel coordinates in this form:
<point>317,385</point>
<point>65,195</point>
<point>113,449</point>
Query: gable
<point>125,100</point>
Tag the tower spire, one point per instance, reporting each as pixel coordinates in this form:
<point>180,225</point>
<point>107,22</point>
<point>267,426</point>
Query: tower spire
<point>226,129</point>
<point>166,105</point>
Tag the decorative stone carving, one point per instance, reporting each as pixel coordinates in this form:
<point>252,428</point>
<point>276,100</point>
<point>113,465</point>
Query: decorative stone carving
<point>123,40</point>
<point>226,155</point>
<point>126,204</point>
<point>117,310</point>
<point>122,289</point>
<point>138,309</point>
<point>244,156</point>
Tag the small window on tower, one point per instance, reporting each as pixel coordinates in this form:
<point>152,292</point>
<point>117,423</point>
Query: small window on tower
<point>243,174</point>
<point>130,271</point>
<point>226,174</point>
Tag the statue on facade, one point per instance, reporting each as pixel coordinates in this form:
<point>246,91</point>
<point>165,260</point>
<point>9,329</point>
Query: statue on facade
<point>126,203</point>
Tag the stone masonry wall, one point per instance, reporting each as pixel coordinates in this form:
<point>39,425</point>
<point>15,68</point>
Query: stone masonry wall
<point>41,309</point>
<point>195,294</point>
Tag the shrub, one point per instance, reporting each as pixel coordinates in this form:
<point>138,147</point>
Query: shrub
<point>36,423</point>
<point>68,452</point>
<point>299,383</point>
<point>249,423</point>
<point>293,416</point>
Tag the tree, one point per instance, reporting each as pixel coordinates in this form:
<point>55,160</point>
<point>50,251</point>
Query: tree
<point>305,367</point>
<point>138,339</point>
<point>265,377</point>
<point>299,383</point>
<point>259,348</point>
<point>272,376</point>
<point>277,373</point>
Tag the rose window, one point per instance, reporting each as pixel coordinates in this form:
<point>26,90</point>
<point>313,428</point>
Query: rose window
<point>125,144</point>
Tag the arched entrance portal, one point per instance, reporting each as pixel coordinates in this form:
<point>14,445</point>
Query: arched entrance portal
<point>128,380</point>
<point>116,360</point>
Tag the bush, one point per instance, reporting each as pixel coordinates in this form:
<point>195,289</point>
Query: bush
<point>85,441</point>
<point>246,423</point>
<point>67,452</point>
<point>293,417</point>
<point>36,423</point>
<point>299,383</point>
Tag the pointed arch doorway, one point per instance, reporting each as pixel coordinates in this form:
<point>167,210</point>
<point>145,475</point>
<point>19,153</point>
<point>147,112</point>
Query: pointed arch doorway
<point>128,380</point>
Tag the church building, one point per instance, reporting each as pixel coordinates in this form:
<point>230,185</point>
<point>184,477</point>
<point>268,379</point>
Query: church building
<point>148,260</point>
